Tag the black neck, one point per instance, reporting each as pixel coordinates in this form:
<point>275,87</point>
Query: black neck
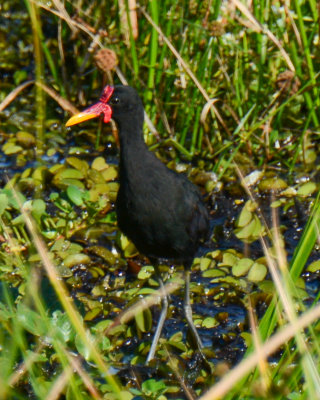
<point>132,145</point>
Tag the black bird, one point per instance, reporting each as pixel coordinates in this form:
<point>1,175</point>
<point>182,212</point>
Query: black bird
<point>161,211</point>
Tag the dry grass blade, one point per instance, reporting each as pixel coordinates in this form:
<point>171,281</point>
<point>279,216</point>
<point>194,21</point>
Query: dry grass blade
<point>282,289</point>
<point>189,394</point>
<point>263,365</point>
<point>64,103</point>
<point>12,95</point>
<point>84,376</point>
<point>132,24</point>
<point>185,67</point>
<point>65,298</point>
<point>24,366</point>
<point>142,305</point>
<point>259,28</point>
<point>59,385</point>
<point>60,15</point>
<point>241,370</point>
<point>96,39</point>
<point>206,109</point>
<point>60,6</point>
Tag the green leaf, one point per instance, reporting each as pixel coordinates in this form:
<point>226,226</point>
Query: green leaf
<point>205,263</point>
<point>213,273</point>
<point>247,231</point>
<point>306,189</point>
<point>11,148</point>
<point>99,164</point>
<point>75,195</point>
<point>151,387</point>
<point>78,164</point>
<point>25,139</point>
<point>19,220</point>
<point>31,321</point>
<point>109,174</point>
<point>314,266</point>
<point>91,314</point>
<point>15,199</point>
<point>257,272</point>
<point>76,259</point>
<point>143,319</point>
<point>146,272</point>
<point>244,218</point>
<point>62,324</point>
<point>104,253</point>
<point>209,322</point>
<point>4,202</point>
<point>38,209</point>
<point>69,173</point>
<point>242,266</point>
<point>272,184</point>
<point>82,348</point>
<point>228,259</point>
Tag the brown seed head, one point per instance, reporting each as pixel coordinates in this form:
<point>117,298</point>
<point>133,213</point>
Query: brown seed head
<point>106,59</point>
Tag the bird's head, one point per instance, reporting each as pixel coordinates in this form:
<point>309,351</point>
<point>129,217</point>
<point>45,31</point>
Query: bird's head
<point>116,102</point>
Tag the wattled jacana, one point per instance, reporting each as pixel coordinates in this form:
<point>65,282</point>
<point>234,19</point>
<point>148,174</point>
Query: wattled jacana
<point>160,210</point>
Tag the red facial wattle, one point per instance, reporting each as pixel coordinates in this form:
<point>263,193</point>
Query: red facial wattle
<point>94,111</point>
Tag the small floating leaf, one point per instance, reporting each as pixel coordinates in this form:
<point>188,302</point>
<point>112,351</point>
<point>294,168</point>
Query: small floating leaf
<point>113,190</point>
<point>15,199</point>
<point>99,164</point>
<point>75,195</point>
<point>289,192</point>
<point>253,177</point>
<point>229,259</point>
<point>64,183</point>
<point>78,164</point>
<point>39,174</point>
<point>109,174</point>
<point>75,259</point>
<point>19,220</point>
<point>69,173</point>
<point>273,183</point>
<point>90,315</point>
<point>276,204</point>
<point>213,273</point>
<point>314,266</point>
<point>152,388</point>
<point>104,253</point>
<point>242,266</point>
<point>25,139</point>
<point>307,189</point>
<point>310,156</point>
<point>146,272</point>
<point>97,190</point>
<point>143,319</point>
<point>204,263</point>
<point>10,148</point>
<point>247,231</point>
<point>244,218</point>
<point>257,272</point>
<point>209,322</point>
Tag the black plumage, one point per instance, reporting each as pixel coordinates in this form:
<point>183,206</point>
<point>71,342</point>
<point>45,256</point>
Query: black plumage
<point>161,211</point>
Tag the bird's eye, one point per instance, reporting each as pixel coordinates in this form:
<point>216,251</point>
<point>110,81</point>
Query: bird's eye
<point>114,101</point>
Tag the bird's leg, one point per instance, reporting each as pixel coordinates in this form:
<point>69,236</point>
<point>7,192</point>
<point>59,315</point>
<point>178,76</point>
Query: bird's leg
<point>188,311</point>
<point>163,315</point>
<point>188,314</point>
